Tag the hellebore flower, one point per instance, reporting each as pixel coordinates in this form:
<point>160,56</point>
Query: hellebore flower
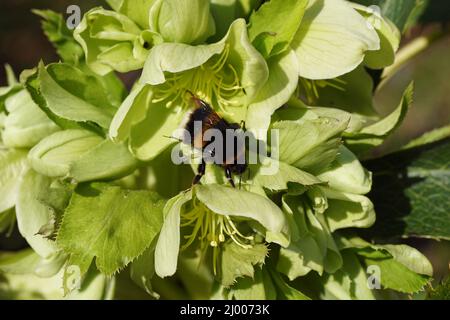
<point>332,39</point>
<point>212,214</point>
<point>25,124</point>
<point>227,74</point>
<point>120,40</point>
<point>112,41</point>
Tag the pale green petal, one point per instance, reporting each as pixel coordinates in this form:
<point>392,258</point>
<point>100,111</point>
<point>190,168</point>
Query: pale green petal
<point>389,38</point>
<point>176,57</point>
<point>32,214</point>
<point>282,82</point>
<point>226,11</point>
<point>347,210</point>
<point>54,155</point>
<point>182,21</point>
<point>168,245</point>
<point>81,155</point>
<point>277,175</point>
<point>273,26</point>
<point>250,65</point>
<point>13,163</point>
<point>348,283</point>
<point>153,135</point>
<point>26,124</point>
<point>332,39</point>
<point>136,10</point>
<point>347,174</point>
<point>233,202</point>
<point>112,41</point>
<point>131,112</point>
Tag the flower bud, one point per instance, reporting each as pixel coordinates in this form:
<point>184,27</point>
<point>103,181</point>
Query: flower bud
<point>184,21</point>
<point>82,156</point>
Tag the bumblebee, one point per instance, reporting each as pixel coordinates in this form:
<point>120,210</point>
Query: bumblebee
<point>232,161</point>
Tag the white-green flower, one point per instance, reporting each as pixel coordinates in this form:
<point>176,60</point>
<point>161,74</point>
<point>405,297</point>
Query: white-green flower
<point>211,216</point>
<point>332,39</point>
<point>112,41</point>
<point>120,40</point>
<point>182,21</point>
<point>228,74</point>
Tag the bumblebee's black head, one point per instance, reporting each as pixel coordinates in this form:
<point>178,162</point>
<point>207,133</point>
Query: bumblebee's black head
<point>238,168</point>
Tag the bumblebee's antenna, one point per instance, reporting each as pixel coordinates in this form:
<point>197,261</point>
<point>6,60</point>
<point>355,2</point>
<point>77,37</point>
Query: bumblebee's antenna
<point>174,138</point>
<point>190,92</point>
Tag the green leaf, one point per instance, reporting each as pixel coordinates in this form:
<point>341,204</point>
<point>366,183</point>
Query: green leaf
<point>429,137</point>
<point>233,202</point>
<point>55,28</point>
<point>114,215</point>
<point>275,24</point>
<point>13,163</point>
<point>286,291</point>
<point>32,214</point>
<point>401,267</point>
<point>142,271</point>
<point>410,258</point>
<point>260,287</point>
<point>32,84</point>
<point>326,25</point>
<point>396,276</point>
<point>182,21</point>
<point>441,291</point>
<point>375,134</point>
<point>236,262</point>
<point>410,192</point>
<point>26,124</point>
<point>62,85</point>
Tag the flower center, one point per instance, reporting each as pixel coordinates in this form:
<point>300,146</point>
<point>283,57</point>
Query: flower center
<point>211,230</point>
<point>215,82</point>
<point>310,88</point>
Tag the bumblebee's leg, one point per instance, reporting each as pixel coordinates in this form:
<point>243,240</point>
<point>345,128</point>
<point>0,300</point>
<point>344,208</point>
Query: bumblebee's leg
<point>201,172</point>
<point>229,177</point>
